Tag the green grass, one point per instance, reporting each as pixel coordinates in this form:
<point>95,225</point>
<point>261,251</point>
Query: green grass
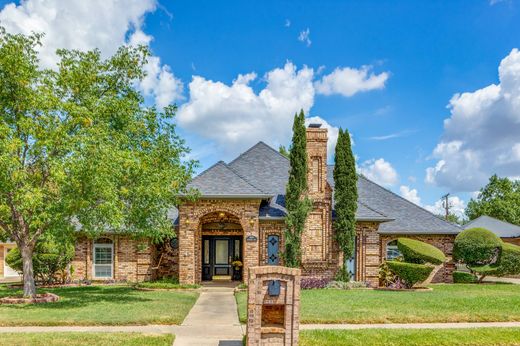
<point>165,284</point>
<point>100,305</point>
<point>86,339</point>
<point>446,303</point>
<point>412,337</point>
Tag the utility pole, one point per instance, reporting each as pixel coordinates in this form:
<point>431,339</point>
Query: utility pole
<point>446,204</point>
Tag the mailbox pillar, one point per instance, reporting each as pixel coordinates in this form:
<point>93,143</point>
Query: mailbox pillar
<point>273,306</point>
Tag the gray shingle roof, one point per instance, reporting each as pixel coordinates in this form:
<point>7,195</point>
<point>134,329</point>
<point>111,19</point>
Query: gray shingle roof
<point>263,170</point>
<point>220,180</point>
<point>500,228</point>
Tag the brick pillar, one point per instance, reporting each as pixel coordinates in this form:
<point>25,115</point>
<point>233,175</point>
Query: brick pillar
<point>251,248</point>
<point>187,233</point>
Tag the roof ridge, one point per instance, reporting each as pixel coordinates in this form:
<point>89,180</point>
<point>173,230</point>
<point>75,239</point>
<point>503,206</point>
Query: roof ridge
<point>492,218</point>
<point>407,201</point>
<point>254,146</point>
<point>244,179</point>
<point>374,210</point>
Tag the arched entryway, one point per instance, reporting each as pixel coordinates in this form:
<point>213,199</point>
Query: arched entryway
<point>221,238</point>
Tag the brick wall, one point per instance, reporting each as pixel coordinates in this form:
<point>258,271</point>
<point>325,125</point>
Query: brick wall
<point>190,233</point>
<point>442,242</point>
<point>132,259</point>
<point>268,228</point>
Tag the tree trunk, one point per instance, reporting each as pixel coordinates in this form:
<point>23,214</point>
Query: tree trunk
<point>29,288</point>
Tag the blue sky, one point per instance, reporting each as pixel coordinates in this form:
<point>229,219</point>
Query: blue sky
<point>423,53</point>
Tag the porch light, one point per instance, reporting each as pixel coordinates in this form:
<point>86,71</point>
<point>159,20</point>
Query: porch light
<point>252,221</point>
<point>221,215</point>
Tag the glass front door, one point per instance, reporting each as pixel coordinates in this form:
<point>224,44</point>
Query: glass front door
<point>217,255</point>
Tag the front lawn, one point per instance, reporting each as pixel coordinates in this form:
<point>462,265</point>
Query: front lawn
<point>446,303</point>
<point>100,305</point>
<point>86,339</point>
<point>412,337</point>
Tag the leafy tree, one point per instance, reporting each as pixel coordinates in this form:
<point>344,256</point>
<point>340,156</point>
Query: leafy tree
<point>297,203</point>
<point>500,199</point>
<point>283,150</point>
<point>79,149</point>
<point>51,257</point>
<point>345,194</point>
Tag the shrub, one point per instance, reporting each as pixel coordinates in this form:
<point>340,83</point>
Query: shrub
<point>50,260</point>
<point>386,277</point>
<point>509,261</point>
<point>310,283</point>
<point>343,274</point>
<point>415,251</point>
<point>476,247</point>
<point>410,273</point>
<point>464,278</point>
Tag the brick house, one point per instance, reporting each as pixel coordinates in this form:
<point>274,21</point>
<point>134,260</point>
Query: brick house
<point>508,232</point>
<point>240,216</point>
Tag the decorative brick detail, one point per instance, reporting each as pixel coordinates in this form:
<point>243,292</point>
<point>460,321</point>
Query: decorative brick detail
<point>190,233</point>
<point>442,242</point>
<point>268,228</point>
<point>132,259</point>
<point>273,320</point>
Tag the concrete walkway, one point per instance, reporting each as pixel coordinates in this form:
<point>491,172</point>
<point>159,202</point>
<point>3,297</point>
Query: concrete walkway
<point>213,320</point>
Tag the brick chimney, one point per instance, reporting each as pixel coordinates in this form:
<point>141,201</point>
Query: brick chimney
<point>317,161</point>
<point>315,237</point>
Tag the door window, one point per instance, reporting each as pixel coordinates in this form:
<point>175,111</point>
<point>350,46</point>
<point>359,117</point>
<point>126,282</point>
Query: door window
<point>221,251</point>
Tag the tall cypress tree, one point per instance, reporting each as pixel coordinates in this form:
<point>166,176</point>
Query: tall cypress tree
<point>345,194</point>
<point>296,202</point>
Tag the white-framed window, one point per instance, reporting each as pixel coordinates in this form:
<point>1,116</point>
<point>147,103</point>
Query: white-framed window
<point>103,259</point>
<point>391,250</point>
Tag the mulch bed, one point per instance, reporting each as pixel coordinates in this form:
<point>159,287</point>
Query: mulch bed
<point>39,298</point>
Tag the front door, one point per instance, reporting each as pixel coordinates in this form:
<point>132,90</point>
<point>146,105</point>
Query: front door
<point>217,255</point>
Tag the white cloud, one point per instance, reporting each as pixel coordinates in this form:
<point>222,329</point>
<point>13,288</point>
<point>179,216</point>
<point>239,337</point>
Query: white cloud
<point>85,25</point>
<point>456,204</point>
<point>304,37</point>
<point>380,171</point>
<point>410,194</point>
<point>332,132</point>
<point>287,23</point>
<point>348,81</point>
<point>235,116</point>
<point>481,136</point>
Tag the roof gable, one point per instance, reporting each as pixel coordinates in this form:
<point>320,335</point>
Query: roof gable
<point>264,167</point>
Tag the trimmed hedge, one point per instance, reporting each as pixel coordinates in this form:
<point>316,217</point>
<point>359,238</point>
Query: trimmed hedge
<point>508,262</point>
<point>410,273</point>
<point>415,251</point>
<point>476,247</point>
<point>464,278</point>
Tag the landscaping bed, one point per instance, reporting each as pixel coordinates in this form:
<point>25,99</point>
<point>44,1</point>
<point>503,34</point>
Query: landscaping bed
<point>86,339</point>
<point>100,305</point>
<point>412,337</point>
<point>39,298</point>
<point>446,303</point>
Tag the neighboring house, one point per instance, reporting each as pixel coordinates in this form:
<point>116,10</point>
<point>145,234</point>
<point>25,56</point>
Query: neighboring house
<point>240,215</point>
<point>5,270</point>
<point>507,231</point>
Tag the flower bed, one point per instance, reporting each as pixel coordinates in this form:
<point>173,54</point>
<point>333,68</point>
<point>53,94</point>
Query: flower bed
<point>39,298</point>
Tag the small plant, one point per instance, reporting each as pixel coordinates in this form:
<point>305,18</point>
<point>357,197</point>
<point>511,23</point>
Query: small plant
<point>342,285</point>
<point>237,264</point>
<point>312,283</point>
<point>343,275</point>
<point>386,277</point>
